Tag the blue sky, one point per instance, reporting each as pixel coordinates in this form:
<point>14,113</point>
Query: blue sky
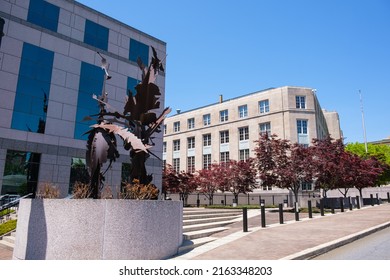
<point>237,47</point>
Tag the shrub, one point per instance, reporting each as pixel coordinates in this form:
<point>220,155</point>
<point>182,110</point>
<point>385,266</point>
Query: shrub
<point>48,191</point>
<point>140,191</point>
<point>7,227</point>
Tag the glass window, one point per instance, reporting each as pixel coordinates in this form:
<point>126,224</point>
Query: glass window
<point>306,186</point>
<point>191,142</point>
<point>2,22</point>
<point>264,106</point>
<point>176,126</point>
<point>191,164</point>
<point>207,161</point>
<point>125,172</point>
<point>91,82</point>
<point>138,49</point>
<point>224,136</point>
<point>244,133</point>
<point>265,128</point>
<point>206,119</point>
<point>244,154</point>
<point>165,129</point>
<point>300,102</point>
<point>96,35</point>
<point>131,84</point>
<point>224,157</point>
<point>243,111</point>
<point>79,173</point>
<point>33,89</point>
<point>206,140</point>
<point>176,145</point>
<point>176,165</point>
<point>21,172</point>
<point>164,147</point>
<point>224,116</point>
<point>44,14</point>
<point>302,127</point>
<point>191,123</point>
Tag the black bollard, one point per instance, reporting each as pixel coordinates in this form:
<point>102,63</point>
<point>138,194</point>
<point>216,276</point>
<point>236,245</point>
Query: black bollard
<point>262,215</point>
<point>296,211</point>
<point>358,202</point>
<point>281,221</point>
<point>388,197</point>
<point>310,209</point>
<point>197,201</point>
<point>322,207</point>
<point>332,205</point>
<point>372,199</point>
<point>342,204</point>
<point>245,219</point>
<point>350,203</point>
<point>377,199</point>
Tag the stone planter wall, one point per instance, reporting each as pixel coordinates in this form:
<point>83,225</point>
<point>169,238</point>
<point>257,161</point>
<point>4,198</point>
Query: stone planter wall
<point>86,229</point>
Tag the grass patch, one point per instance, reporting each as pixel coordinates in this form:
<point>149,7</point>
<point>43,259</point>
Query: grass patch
<point>6,212</point>
<point>7,227</point>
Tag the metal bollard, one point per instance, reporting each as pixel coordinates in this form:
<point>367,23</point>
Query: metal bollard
<point>342,204</point>
<point>296,211</point>
<point>310,209</point>
<point>377,199</point>
<point>358,202</point>
<point>245,219</point>
<point>262,215</point>
<point>322,207</point>
<point>332,206</point>
<point>388,197</point>
<point>350,203</point>
<point>281,220</point>
<point>372,199</point>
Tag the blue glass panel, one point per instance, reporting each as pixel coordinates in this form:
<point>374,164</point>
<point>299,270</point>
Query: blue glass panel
<point>33,84</point>
<point>43,14</point>
<point>96,35</point>
<point>131,84</point>
<point>91,82</point>
<point>138,49</point>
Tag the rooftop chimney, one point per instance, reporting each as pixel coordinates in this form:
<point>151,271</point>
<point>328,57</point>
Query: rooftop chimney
<point>220,98</point>
<point>178,111</point>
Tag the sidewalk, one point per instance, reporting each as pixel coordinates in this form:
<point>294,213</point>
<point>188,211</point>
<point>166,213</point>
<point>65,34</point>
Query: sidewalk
<point>295,240</point>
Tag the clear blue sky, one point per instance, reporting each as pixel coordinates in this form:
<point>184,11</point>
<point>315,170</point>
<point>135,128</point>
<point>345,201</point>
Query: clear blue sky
<point>238,47</point>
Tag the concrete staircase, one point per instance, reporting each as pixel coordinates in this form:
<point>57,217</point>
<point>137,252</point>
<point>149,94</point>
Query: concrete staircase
<point>200,223</point>
<point>8,241</point>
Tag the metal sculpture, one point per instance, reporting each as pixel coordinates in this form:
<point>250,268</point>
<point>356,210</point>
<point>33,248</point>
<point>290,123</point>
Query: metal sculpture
<point>135,126</point>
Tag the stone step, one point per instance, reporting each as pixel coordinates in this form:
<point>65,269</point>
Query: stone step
<point>209,215</point>
<point>9,239</point>
<point>202,233</point>
<point>204,226</point>
<point>208,220</point>
<point>210,211</point>
<point>6,245</point>
<point>191,244</point>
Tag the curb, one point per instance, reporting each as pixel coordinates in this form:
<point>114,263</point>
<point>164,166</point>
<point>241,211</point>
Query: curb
<point>324,248</point>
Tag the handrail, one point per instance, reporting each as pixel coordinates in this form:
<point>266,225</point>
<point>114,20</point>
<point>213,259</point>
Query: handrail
<point>13,203</point>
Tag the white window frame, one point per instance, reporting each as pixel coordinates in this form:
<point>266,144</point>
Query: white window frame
<point>264,106</point>
<point>243,111</point>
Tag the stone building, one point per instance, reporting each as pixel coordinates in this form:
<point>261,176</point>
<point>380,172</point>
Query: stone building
<point>49,69</point>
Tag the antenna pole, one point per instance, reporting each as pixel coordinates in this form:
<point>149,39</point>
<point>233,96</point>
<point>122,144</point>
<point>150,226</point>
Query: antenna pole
<point>364,127</point>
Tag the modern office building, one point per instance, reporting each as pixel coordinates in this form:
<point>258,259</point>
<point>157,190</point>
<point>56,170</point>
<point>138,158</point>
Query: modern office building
<point>49,69</point>
<point>228,129</point>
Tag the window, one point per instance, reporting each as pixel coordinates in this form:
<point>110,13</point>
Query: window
<point>2,22</point>
<point>43,14</point>
<point>191,142</point>
<point>164,147</point>
<point>244,133</point>
<point>265,128</point>
<point>176,165</point>
<point>96,35</point>
<point>125,172</point>
<point>91,81</point>
<point>264,106</point>
<point>224,136</point>
<point>244,154</point>
<point>300,102</point>
<point>224,116</point>
<point>206,140</point>
<point>191,164</point>
<point>267,188</point>
<point>207,161</point>
<point>224,157</point>
<point>165,129</point>
<point>176,126</point>
<point>243,111</point>
<point>33,89</point>
<point>191,123</point>
<point>176,145</point>
<point>21,170</point>
<point>206,119</point>
<point>131,84</point>
<point>138,49</point>
<point>302,127</point>
<point>306,186</point>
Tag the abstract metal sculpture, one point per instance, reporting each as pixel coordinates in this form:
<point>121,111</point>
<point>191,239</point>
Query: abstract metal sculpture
<point>135,126</point>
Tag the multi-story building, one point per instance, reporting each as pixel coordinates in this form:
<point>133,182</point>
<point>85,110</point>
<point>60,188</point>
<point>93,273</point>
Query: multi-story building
<point>50,66</point>
<point>228,129</point>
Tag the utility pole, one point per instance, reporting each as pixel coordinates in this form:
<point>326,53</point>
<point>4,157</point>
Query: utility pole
<point>364,127</point>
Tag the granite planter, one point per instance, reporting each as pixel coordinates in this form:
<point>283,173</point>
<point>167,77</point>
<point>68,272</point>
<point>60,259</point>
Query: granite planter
<point>98,229</point>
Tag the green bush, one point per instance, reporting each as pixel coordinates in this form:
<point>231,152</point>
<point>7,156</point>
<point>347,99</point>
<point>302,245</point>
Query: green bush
<point>5,212</point>
<point>7,227</point>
